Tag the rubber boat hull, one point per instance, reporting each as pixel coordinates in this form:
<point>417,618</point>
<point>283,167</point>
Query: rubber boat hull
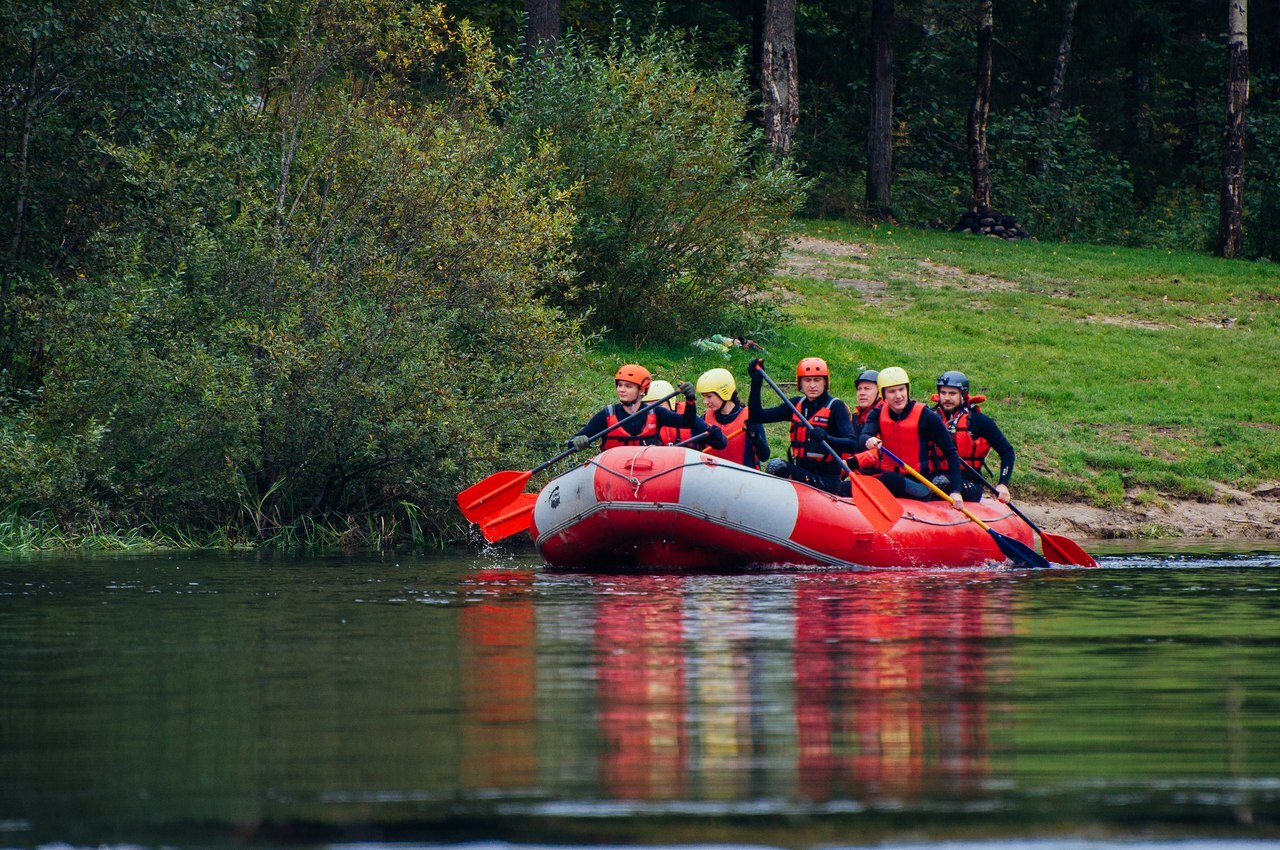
<point>658,507</point>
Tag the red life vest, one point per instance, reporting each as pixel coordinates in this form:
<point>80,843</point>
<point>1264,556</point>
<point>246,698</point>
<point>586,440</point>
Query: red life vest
<point>670,435</point>
<point>972,450</point>
<point>799,437</point>
<point>736,451</point>
<point>861,416</point>
<point>648,435</point>
<point>902,437</point>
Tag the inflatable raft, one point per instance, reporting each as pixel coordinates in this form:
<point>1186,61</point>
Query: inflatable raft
<point>666,507</point>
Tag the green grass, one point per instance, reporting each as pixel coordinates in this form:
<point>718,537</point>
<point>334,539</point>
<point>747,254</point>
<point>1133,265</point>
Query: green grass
<point>1116,372</point>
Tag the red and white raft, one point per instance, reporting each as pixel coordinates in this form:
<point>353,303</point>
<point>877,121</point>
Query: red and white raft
<point>666,507</point>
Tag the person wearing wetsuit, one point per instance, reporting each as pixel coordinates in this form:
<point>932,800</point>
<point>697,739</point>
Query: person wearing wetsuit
<point>632,382</point>
<point>745,440</point>
<point>810,462</point>
<point>975,434</point>
<point>911,431</point>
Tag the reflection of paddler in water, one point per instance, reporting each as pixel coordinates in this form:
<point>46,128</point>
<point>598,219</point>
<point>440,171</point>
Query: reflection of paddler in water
<point>497,645</point>
<point>640,681</point>
<point>891,679</point>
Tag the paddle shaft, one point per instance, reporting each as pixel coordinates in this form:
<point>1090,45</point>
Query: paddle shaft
<point>777,389</point>
<point>594,437</point>
<point>934,487</point>
<point>704,436</point>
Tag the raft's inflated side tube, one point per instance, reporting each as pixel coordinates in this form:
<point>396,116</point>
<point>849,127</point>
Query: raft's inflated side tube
<point>665,507</point>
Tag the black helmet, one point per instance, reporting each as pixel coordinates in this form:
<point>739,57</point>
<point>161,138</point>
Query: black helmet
<point>954,379</point>
<point>870,375</point>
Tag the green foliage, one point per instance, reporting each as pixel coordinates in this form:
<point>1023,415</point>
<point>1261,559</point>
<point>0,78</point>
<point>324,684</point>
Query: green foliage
<point>1054,179</point>
<point>680,214</point>
<point>337,317</point>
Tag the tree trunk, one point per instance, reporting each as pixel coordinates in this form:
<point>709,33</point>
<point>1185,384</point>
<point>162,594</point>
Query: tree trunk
<point>541,26</point>
<point>1230,228</point>
<point>1053,109</point>
<point>778,75</point>
<point>880,129</point>
<point>977,126</point>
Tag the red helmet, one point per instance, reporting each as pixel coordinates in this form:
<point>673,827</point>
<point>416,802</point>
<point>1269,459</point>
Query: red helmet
<point>812,366</point>
<point>636,375</point>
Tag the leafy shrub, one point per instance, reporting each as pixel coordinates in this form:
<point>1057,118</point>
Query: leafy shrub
<point>681,215</point>
<point>338,316</point>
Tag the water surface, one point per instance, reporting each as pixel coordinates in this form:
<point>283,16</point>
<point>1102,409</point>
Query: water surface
<point>199,700</point>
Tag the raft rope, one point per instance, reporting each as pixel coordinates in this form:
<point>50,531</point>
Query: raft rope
<point>636,483</point>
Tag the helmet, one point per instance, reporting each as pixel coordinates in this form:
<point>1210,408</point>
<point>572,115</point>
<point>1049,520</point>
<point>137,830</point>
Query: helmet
<point>718,381</point>
<point>636,375</point>
<point>891,377</point>
<point>657,390</point>
<point>871,376</point>
<point>812,366</point>
<point>955,380</point>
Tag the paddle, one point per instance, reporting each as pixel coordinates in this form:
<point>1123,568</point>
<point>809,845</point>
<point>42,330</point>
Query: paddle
<point>706,436</point>
<point>1014,550</point>
<point>491,494</point>
<point>877,504</point>
<point>1059,549</point>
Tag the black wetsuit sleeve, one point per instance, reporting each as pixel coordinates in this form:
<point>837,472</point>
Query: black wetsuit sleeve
<point>671,419</point>
<point>984,426</point>
<point>595,424</point>
<point>758,414</point>
<point>870,428</point>
<point>932,429</point>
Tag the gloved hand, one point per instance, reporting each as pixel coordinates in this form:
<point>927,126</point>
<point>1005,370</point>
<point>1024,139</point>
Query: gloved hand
<point>756,367</point>
<point>578,443</point>
<point>817,433</point>
<point>715,433</point>
<point>687,388</point>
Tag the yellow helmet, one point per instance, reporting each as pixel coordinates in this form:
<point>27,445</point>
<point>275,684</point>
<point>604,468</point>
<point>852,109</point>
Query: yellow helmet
<point>718,381</point>
<point>660,389</point>
<point>891,377</point>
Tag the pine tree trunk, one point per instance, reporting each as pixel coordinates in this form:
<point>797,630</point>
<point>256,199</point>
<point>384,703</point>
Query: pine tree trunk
<point>1230,227</point>
<point>778,75</point>
<point>541,26</point>
<point>977,127</point>
<point>880,129</point>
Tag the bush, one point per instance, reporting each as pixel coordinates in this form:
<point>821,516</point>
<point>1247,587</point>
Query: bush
<point>327,330</point>
<point>681,215</point>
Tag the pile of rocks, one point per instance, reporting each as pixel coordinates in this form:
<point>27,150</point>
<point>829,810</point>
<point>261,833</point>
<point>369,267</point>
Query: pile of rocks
<point>991,223</point>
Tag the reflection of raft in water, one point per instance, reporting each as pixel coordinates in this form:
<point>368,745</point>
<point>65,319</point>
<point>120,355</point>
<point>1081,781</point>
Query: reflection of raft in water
<point>672,507</point>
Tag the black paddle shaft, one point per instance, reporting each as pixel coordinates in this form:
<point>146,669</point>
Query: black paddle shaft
<point>777,389</point>
<point>595,437</point>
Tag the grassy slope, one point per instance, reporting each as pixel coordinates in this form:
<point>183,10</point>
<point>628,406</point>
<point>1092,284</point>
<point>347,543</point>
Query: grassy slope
<point>1112,370</point>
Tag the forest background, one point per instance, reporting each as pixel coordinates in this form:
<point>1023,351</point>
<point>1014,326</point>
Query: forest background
<point>298,271</point>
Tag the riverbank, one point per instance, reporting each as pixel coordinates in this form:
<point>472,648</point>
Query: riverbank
<point>1240,516</point>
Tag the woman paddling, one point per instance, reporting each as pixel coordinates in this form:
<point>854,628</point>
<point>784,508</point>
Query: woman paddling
<point>632,382</point>
<point>745,440</point>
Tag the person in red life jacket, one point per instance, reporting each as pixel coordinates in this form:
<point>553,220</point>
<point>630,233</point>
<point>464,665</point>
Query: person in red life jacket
<point>810,461</point>
<point>745,441</point>
<point>974,433</point>
<point>911,431</point>
<point>669,435</point>
<point>867,396</point>
<point>632,382</point>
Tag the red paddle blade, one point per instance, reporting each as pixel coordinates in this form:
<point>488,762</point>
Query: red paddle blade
<point>511,520</point>
<point>491,494</point>
<point>877,504</point>
<point>1064,550</point>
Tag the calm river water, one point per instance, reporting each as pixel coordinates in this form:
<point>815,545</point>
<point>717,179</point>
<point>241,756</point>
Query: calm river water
<point>194,701</point>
